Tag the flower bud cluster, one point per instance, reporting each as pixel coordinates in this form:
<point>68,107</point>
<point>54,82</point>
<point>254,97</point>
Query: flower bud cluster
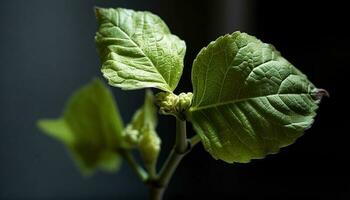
<point>171,104</point>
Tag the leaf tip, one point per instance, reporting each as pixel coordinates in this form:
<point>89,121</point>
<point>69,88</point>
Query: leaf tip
<point>40,124</point>
<point>320,93</point>
<point>44,124</point>
<point>99,12</point>
<point>96,10</point>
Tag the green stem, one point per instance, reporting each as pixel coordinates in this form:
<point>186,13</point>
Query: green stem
<point>177,153</point>
<point>158,183</point>
<point>152,171</point>
<point>181,144</point>
<point>156,193</point>
<point>140,172</point>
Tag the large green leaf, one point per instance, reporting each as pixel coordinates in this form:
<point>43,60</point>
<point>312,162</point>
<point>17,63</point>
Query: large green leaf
<point>137,50</point>
<point>90,127</point>
<point>248,100</point>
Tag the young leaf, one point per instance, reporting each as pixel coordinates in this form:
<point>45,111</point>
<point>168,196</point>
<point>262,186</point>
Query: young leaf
<point>141,132</point>
<point>149,146</point>
<point>137,50</point>
<point>248,100</point>
<point>90,127</point>
<point>146,116</point>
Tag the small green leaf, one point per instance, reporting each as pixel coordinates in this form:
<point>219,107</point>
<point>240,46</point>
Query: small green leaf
<point>137,50</point>
<point>248,101</point>
<point>90,127</point>
<point>142,130</point>
<point>146,116</point>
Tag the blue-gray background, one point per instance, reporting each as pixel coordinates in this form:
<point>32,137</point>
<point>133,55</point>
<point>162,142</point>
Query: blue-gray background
<point>47,51</point>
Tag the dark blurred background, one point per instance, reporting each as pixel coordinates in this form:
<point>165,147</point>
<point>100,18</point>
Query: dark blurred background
<point>47,51</point>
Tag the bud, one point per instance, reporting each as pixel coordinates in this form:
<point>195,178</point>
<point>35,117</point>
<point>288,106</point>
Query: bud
<point>184,102</point>
<point>149,146</point>
<point>171,104</point>
<point>131,136</point>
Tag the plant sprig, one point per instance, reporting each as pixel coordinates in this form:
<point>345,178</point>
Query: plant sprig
<point>247,102</point>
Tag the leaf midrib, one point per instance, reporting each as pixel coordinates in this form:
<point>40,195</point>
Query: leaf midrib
<point>144,54</point>
<point>193,109</point>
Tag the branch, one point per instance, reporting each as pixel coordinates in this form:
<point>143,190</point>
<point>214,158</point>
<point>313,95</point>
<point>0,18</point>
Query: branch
<point>140,172</point>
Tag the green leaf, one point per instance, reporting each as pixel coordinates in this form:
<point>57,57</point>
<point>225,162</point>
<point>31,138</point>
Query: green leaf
<point>137,50</point>
<point>141,132</point>
<point>248,100</point>
<point>90,127</point>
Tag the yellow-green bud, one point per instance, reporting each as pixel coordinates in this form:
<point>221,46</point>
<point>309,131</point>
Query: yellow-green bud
<point>131,136</point>
<point>149,146</point>
<point>171,104</point>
